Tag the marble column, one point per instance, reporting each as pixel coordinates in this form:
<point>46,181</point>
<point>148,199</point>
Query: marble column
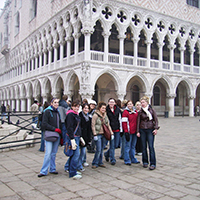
<point>191,106</point>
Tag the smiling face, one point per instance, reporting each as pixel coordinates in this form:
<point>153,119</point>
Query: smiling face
<point>130,105</point>
<point>111,103</point>
<point>102,109</point>
<point>86,109</point>
<point>55,103</point>
<point>75,108</point>
<point>144,103</point>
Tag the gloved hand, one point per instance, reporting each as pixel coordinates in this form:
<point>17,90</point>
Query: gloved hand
<point>58,130</point>
<point>112,137</point>
<point>121,134</point>
<point>74,145</point>
<point>127,136</point>
<point>82,141</point>
<point>95,138</point>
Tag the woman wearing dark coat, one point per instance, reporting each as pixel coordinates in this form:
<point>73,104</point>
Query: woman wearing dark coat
<point>86,134</point>
<point>147,126</point>
<point>51,122</point>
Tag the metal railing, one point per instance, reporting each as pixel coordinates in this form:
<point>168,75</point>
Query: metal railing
<point>23,121</point>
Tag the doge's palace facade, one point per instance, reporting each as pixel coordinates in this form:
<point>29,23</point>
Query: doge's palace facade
<point>97,49</point>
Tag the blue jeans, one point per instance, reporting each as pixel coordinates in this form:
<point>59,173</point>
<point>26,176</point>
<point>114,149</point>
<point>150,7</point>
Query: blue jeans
<point>98,156</point>
<point>64,130</point>
<point>148,137</point>
<point>3,114</point>
<point>81,157</point>
<point>35,120</point>
<point>117,139</point>
<point>129,151</point>
<point>111,152</point>
<point>73,160</point>
<point>42,142</point>
<point>50,157</point>
<point>123,142</point>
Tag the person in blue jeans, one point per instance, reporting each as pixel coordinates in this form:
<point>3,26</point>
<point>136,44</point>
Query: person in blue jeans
<point>51,122</point>
<point>97,129</point>
<point>73,138</point>
<point>86,134</point>
<point>114,116</point>
<point>147,126</point>
<point>129,124</point>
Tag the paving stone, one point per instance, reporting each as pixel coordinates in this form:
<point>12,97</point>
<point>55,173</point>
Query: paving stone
<point>5,191</point>
<point>65,195</point>
<point>89,193</point>
<point>19,186</point>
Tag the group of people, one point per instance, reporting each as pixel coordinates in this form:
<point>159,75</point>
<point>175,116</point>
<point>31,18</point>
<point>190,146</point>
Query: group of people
<point>79,128</point>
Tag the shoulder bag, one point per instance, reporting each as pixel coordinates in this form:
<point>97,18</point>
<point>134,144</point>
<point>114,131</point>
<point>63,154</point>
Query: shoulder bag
<point>106,130</point>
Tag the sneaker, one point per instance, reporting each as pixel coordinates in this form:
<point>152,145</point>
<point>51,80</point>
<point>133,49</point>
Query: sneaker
<point>76,177</point>
<point>82,170</point>
<point>94,166</point>
<point>145,165</point>
<point>152,167</point>
<point>85,164</point>
<point>139,154</point>
<point>55,172</point>
<point>78,173</point>
<point>112,163</point>
<point>102,165</point>
<point>67,171</point>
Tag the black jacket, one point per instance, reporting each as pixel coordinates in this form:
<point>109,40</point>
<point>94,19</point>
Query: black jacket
<point>49,119</point>
<point>114,117</point>
<point>86,129</point>
<point>71,122</point>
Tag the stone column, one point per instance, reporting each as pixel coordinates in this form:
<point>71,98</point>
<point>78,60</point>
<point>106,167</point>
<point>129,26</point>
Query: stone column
<point>191,106</point>
<point>192,59</point>
<point>106,36</point>
<point>76,45</point>
<point>61,53</point>
<point>135,40</point>
<point>69,39</point>
<point>28,103</point>
<point>170,99</point>
<point>87,35</point>
<point>55,46</point>
<point>17,105</point>
<point>182,49</point>
<point>40,60</point>
<point>23,104</point>
<point>121,48</point>
<point>171,47</point>
<point>12,104</point>
<point>148,42</point>
<point>45,57</point>
<point>160,46</point>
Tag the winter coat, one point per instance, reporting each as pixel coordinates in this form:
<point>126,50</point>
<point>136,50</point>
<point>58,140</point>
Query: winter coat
<point>114,118</point>
<point>71,123</point>
<point>86,130</point>
<point>63,108</point>
<point>97,124</point>
<point>129,121</point>
<point>143,121</point>
<point>49,119</point>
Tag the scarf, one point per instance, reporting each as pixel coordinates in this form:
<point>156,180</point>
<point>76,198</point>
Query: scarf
<point>86,116</point>
<point>147,112</point>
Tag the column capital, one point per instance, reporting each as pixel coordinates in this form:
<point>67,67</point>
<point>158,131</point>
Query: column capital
<point>171,46</point>
<point>191,97</point>
<point>106,34</point>
<point>121,37</point>
<point>181,48</point>
<point>171,96</point>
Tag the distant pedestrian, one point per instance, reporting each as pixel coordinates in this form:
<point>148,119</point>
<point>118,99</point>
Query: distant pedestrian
<point>34,112</point>
<point>3,111</point>
<point>147,126</point>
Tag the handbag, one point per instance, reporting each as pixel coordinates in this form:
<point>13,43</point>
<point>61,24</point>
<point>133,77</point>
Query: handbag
<point>51,136</point>
<point>106,130</point>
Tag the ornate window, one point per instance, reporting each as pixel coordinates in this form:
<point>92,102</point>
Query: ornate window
<point>33,9</point>
<point>177,52</point>
<point>142,47</point>
<point>194,3</point>
<point>107,13</point>
<point>166,51</point>
<point>128,43</point>
<point>187,54</point>
<point>135,20</point>
<point>154,47</point>
<point>17,23</point>
<point>196,55</point>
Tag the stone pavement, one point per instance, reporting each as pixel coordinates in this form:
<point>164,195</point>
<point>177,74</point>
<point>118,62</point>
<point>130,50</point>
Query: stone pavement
<point>177,175</point>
